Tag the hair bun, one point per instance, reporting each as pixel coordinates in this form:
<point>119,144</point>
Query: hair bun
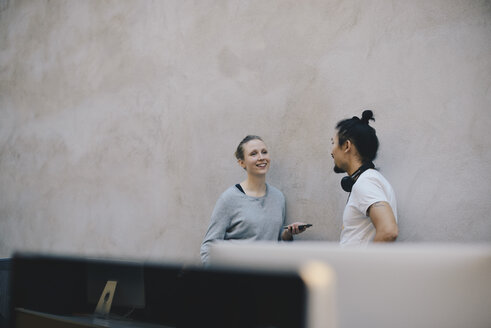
<point>366,116</point>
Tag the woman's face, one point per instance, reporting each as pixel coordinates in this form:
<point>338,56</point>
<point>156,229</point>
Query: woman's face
<point>256,157</point>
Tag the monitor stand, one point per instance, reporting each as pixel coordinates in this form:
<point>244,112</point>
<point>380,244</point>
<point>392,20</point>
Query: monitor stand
<point>105,301</point>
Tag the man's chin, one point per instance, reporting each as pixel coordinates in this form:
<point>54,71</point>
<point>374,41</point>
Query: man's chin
<point>338,169</point>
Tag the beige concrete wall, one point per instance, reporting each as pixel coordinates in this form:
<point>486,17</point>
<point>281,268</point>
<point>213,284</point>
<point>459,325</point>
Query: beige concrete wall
<point>118,119</point>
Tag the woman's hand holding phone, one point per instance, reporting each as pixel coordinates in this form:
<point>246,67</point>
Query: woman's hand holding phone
<point>297,227</point>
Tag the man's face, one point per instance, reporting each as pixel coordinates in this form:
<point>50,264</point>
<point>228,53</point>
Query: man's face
<point>337,154</point>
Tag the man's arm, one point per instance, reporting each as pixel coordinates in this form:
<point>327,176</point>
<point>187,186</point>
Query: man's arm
<point>384,221</point>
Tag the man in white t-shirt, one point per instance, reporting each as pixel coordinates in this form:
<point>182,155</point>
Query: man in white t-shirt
<point>370,214</point>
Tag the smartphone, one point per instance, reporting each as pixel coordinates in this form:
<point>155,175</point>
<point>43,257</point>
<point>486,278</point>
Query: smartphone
<point>301,226</point>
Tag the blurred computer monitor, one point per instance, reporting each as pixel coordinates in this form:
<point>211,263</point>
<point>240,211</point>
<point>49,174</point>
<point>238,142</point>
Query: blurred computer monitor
<point>221,296</point>
<point>129,293</point>
<point>65,288</point>
<point>403,285</point>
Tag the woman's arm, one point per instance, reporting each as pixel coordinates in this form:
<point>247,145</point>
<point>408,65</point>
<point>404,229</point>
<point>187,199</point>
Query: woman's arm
<point>216,231</point>
<point>219,222</point>
<point>292,229</point>
<point>286,235</point>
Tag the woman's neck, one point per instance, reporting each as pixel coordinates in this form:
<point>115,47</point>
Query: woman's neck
<point>254,186</point>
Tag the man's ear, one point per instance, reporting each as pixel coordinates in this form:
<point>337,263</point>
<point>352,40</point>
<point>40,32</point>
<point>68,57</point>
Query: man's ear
<point>347,146</point>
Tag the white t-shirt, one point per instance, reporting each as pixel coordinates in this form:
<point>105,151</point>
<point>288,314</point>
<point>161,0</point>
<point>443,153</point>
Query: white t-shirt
<point>371,187</point>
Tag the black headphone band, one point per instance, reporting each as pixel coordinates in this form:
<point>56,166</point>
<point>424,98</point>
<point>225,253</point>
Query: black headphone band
<point>348,182</point>
<point>362,169</point>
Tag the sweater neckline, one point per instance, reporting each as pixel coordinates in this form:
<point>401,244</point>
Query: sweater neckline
<point>252,197</point>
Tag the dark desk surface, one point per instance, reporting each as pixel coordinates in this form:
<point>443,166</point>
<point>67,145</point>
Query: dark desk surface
<point>27,318</point>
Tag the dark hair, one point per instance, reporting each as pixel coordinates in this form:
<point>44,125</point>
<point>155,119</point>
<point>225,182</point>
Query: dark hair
<point>239,153</point>
<point>360,134</point>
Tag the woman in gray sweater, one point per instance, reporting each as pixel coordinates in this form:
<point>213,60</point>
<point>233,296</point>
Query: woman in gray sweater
<point>253,209</point>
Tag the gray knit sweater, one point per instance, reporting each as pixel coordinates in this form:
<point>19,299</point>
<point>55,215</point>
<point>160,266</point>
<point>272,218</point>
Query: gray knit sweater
<point>238,216</point>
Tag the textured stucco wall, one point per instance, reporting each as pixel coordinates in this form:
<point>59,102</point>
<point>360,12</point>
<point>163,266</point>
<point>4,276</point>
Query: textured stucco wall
<point>118,119</point>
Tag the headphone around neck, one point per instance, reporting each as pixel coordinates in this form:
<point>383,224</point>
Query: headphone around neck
<point>348,182</point>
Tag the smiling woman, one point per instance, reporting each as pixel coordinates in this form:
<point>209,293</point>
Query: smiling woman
<point>253,156</point>
<point>252,209</point>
